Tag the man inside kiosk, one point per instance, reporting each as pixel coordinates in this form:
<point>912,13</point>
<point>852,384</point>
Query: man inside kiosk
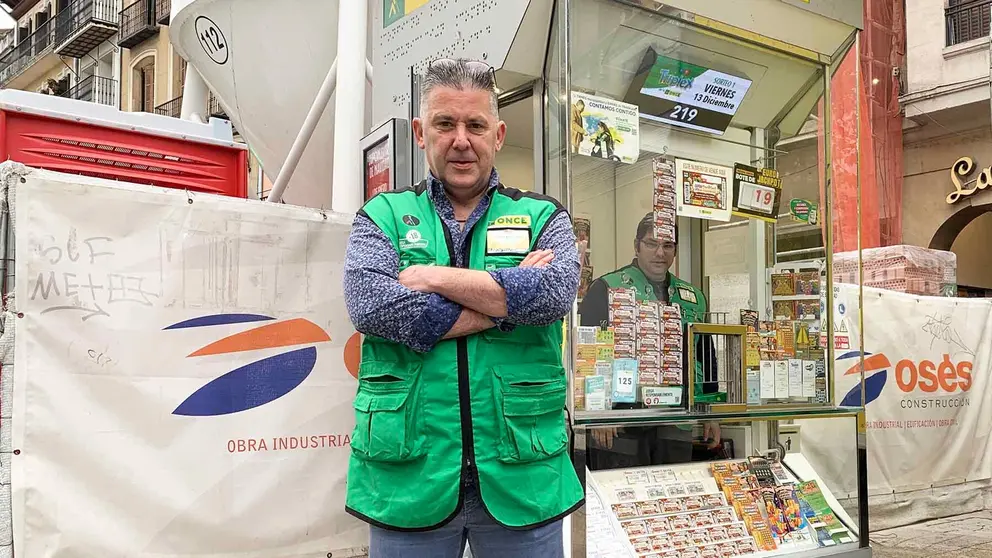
<point>650,277</point>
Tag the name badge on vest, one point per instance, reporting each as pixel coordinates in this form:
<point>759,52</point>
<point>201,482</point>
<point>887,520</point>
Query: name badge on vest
<point>507,241</point>
<point>508,235</point>
<point>687,295</point>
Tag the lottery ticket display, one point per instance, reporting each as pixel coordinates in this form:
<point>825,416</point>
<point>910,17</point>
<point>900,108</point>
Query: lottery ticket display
<point>793,342</point>
<point>664,199</point>
<point>718,510</point>
<point>637,359</point>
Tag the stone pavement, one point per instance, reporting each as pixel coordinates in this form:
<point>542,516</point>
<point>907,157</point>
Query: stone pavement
<point>963,536</point>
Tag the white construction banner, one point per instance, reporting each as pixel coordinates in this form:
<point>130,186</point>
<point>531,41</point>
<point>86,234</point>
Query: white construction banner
<point>927,392</point>
<point>183,375</point>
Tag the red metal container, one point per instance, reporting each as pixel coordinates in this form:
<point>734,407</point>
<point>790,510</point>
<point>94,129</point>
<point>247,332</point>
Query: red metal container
<point>85,138</point>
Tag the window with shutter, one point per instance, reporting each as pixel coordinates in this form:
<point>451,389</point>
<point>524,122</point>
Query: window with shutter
<point>966,20</point>
<point>148,88</point>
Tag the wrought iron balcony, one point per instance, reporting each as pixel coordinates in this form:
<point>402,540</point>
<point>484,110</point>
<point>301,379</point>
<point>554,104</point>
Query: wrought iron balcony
<point>215,109</point>
<point>83,25</point>
<point>25,53</point>
<point>94,89</point>
<point>966,20</point>
<point>171,108</point>
<point>163,11</point>
<point>137,23</point>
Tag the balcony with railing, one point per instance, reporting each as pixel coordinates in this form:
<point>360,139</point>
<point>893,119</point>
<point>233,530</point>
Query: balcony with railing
<point>137,23</point>
<point>173,108</point>
<point>163,11</point>
<point>95,89</point>
<point>966,20</point>
<point>215,109</point>
<point>83,25</point>
<point>29,59</point>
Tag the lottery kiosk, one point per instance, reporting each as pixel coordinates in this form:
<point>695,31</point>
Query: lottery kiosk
<point>713,357</point>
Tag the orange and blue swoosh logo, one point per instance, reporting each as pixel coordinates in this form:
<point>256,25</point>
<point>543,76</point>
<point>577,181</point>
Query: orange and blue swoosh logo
<point>876,374</point>
<point>259,382</point>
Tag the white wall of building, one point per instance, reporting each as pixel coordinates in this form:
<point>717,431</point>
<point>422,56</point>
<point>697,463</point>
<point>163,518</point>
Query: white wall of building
<point>939,77</point>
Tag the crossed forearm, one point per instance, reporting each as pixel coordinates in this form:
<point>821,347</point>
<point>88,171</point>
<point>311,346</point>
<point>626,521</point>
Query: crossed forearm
<point>469,322</point>
<point>474,290</point>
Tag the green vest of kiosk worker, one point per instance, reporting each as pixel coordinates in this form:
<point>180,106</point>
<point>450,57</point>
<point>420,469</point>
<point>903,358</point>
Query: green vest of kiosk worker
<point>417,433</point>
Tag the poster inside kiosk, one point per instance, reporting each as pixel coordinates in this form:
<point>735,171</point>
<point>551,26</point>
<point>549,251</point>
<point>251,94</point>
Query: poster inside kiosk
<point>385,156</point>
<point>687,95</point>
<point>604,128</point>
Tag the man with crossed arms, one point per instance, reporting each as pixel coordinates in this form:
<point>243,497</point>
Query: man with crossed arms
<point>460,285</point>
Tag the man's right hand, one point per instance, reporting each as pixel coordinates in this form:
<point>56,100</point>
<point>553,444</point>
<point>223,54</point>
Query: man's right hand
<point>604,437</point>
<point>538,258</point>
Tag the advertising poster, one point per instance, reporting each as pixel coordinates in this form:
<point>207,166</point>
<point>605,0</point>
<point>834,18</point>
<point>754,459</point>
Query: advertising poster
<point>192,367</point>
<point>803,211</point>
<point>757,193</point>
<point>692,96</point>
<point>927,363</point>
<point>604,128</point>
<point>377,169</point>
<point>704,190</point>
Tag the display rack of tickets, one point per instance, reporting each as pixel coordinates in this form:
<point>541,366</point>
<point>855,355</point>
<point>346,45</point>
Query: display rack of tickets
<point>594,368</point>
<point>647,351</point>
<point>664,199</point>
<point>728,508</point>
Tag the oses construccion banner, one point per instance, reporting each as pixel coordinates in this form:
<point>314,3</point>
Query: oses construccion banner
<point>927,362</point>
<point>183,375</point>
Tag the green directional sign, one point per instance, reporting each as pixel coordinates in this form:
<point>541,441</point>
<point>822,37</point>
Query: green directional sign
<point>395,10</point>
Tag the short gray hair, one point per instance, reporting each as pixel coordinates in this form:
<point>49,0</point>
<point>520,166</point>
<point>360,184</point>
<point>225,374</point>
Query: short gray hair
<point>459,74</point>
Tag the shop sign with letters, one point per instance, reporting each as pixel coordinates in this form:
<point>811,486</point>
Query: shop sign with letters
<point>961,169</point>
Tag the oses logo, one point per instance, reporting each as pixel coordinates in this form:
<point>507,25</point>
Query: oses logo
<point>944,376</point>
<point>876,374</point>
<point>259,382</point>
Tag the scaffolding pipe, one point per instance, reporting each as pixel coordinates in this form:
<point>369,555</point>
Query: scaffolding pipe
<point>349,106</point>
<point>306,132</point>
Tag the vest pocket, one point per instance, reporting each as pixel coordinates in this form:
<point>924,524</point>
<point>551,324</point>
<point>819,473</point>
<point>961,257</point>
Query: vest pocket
<point>387,417</point>
<point>532,401</point>
<point>493,263</point>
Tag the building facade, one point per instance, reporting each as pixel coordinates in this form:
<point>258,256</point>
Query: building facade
<point>946,105</point>
<point>62,47</point>
<point>112,52</point>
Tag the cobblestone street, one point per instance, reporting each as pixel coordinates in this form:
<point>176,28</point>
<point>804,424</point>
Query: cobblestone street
<point>965,536</point>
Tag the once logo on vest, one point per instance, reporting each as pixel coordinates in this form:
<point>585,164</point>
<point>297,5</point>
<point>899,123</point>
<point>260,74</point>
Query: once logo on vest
<point>413,239</point>
<point>411,220</point>
<point>512,221</point>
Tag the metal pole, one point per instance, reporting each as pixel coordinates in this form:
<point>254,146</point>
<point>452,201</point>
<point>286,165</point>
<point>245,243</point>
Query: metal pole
<point>368,71</point>
<point>194,106</point>
<point>349,106</point>
<point>306,132</point>
<point>194,96</point>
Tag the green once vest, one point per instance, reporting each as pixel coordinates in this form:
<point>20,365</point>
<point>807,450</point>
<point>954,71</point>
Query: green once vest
<point>684,294</point>
<point>490,404</point>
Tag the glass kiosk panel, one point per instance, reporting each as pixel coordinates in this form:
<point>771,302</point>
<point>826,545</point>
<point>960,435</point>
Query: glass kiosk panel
<point>701,347</point>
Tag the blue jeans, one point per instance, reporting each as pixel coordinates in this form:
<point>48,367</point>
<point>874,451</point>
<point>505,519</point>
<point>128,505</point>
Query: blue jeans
<point>487,538</point>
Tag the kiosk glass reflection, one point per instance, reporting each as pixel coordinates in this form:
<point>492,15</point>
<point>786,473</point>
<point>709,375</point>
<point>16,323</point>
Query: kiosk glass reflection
<point>701,339</point>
